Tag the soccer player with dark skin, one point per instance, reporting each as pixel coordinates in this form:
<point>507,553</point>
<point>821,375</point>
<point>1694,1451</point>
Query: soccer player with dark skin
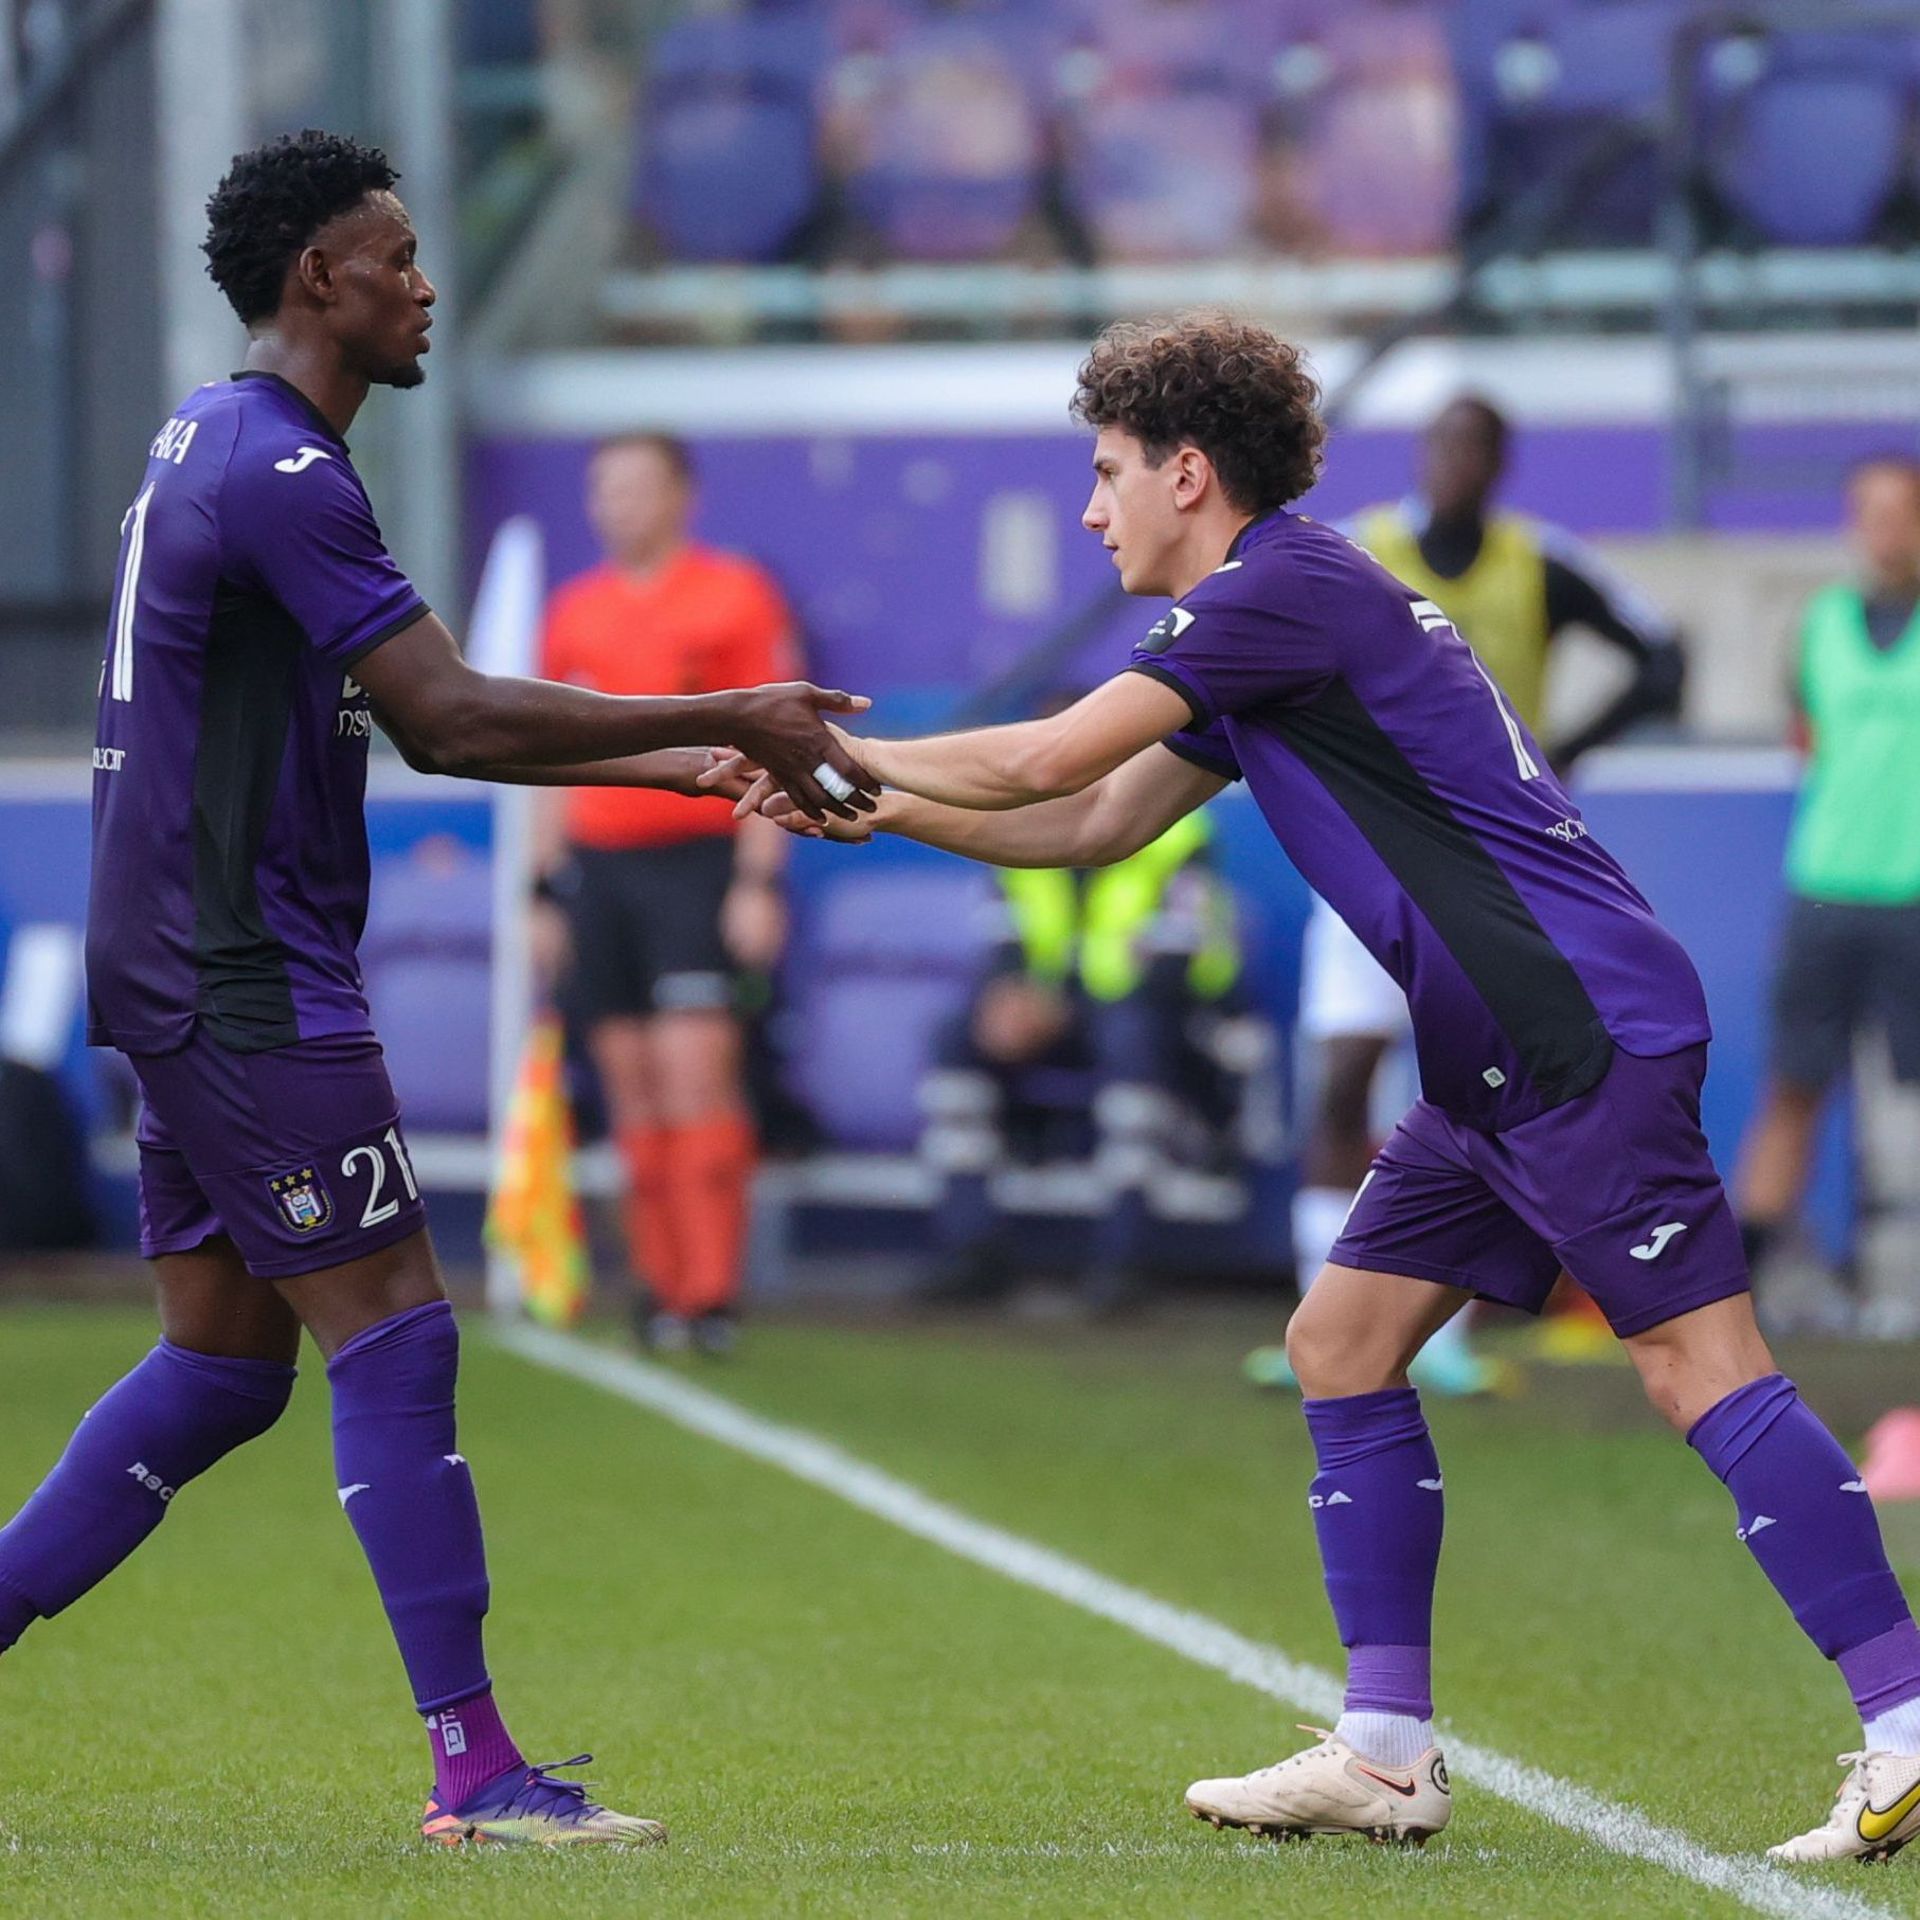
<point>259,628</point>
<point>1561,1035</point>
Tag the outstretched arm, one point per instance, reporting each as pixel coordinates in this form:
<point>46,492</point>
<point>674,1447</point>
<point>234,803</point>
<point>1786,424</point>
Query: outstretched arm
<point>674,769</point>
<point>447,718</point>
<point>995,768</point>
<point>1112,819</point>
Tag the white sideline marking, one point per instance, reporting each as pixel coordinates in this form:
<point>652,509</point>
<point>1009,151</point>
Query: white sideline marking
<point>1194,1636</point>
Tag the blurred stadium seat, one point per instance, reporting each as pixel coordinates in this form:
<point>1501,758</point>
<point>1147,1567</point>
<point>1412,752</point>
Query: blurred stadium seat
<point>1551,86</point>
<point>1774,154</point>
<point>427,956</point>
<point>936,128</point>
<point>888,957</point>
<point>1379,173</point>
<point>725,167</point>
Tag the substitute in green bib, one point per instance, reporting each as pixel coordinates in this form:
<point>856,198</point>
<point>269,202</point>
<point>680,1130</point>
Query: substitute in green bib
<point>1850,957</point>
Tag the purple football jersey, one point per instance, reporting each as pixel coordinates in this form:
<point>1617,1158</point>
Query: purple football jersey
<point>230,765</point>
<point>1413,801</point>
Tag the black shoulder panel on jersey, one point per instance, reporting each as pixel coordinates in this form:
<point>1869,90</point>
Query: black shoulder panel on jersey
<point>246,702</point>
<point>1168,678</point>
<point>1528,984</point>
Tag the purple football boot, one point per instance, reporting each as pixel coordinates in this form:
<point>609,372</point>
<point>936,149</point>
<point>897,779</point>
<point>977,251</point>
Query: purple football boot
<point>527,1806</point>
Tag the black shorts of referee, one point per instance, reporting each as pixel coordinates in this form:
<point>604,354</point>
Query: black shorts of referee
<point>646,930</point>
<point>1845,969</point>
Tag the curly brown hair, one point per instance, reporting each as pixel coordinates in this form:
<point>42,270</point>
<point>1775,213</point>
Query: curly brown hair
<point>1240,394</point>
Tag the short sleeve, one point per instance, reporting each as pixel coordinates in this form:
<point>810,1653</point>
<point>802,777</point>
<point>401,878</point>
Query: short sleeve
<point>1208,748</point>
<point>302,531</point>
<point>1229,645</point>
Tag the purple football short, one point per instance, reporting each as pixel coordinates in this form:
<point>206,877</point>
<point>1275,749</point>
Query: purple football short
<point>296,1153</point>
<point>1616,1186</point>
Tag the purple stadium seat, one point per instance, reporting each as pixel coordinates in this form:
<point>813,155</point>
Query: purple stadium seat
<point>1166,177</point>
<point>938,131</point>
<point>1160,106</point>
<point>1776,114</point>
<point>1542,81</point>
<point>887,958</point>
<point>426,959</point>
<point>1784,169</point>
<point>1376,133</point>
<point>726,167</point>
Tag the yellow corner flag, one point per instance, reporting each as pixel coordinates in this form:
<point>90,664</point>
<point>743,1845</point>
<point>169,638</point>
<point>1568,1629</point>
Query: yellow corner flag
<point>534,1214</point>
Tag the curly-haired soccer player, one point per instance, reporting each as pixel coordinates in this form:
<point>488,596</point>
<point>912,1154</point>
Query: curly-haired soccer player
<point>1561,1033</point>
<point>259,628</point>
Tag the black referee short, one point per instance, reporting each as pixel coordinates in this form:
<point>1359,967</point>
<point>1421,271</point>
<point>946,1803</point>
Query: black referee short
<point>1845,967</point>
<point>646,930</point>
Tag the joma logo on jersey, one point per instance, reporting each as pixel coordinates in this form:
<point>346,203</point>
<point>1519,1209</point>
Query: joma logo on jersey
<point>303,1200</point>
<point>173,440</point>
<point>301,461</point>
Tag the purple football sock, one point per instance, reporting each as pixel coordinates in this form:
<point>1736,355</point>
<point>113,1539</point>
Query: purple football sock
<point>1806,1518</point>
<point>1884,1672</point>
<point>1377,1509</point>
<point>408,1492</point>
<point>471,1745</point>
<point>169,1420</point>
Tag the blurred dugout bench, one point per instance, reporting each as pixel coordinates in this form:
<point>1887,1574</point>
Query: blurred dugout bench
<point>1700,830</point>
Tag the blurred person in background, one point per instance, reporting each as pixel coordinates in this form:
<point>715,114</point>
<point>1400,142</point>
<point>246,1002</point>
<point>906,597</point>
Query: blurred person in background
<point>664,898</point>
<point>1850,956</point>
<point>1510,585</point>
<point>1087,1014</point>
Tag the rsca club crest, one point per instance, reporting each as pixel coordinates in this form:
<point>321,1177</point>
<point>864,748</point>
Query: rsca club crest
<point>303,1200</point>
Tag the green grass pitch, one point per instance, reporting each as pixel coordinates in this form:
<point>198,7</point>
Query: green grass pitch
<point>836,1719</point>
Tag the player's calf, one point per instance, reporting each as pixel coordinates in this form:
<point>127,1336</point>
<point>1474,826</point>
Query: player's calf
<point>163,1425</point>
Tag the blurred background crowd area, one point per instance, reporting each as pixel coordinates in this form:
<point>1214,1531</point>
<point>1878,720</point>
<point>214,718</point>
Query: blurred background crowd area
<point>852,141</point>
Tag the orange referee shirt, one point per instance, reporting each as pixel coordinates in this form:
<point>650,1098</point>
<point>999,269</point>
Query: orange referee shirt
<point>704,621</point>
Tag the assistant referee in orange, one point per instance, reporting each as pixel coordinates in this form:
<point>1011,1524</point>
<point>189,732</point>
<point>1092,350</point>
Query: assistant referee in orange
<point>664,898</point>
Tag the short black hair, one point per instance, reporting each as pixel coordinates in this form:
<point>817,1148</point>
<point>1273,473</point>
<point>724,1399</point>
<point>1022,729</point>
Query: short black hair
<point>1495,422</point>
<point>271,204</point>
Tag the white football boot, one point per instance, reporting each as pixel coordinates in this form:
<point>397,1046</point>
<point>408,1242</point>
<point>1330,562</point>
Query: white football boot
<point>1875,1813</point>
<point>1332,1789</point>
